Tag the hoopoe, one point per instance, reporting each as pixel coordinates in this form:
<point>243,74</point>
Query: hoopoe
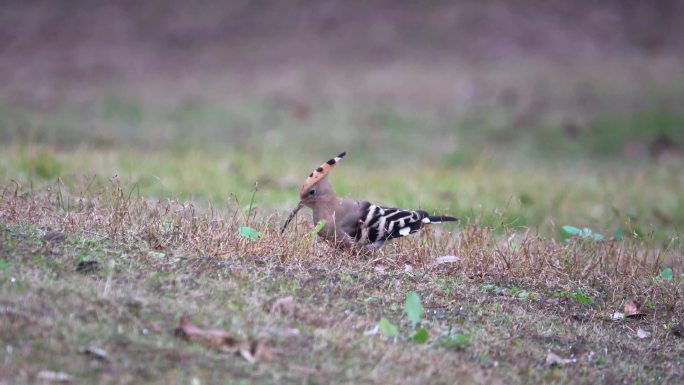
<point>351,223</point>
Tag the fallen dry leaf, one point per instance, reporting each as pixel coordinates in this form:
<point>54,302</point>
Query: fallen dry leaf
<point>213,338</point>
<point>444,259</point>
<point>47,375</point>
<point>252,351</point>
<point>633,309</point>
<point>641,333</point>
<point>617,316</point>
<point>556,360</point>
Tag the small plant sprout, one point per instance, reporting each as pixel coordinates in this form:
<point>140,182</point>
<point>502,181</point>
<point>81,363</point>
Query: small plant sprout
<point>415,311</point>
<point>666,275</point>
<point>249,233</point>
<point>318,228</point>
<point>421,336</point>
<point>582,298</point>
<point>585,233</point>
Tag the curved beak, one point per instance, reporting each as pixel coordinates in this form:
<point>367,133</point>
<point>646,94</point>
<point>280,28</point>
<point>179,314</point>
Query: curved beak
<point>292,215</point>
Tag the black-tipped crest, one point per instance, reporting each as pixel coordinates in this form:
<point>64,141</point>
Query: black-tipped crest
<point>320,172</point>
<point>313,178</point>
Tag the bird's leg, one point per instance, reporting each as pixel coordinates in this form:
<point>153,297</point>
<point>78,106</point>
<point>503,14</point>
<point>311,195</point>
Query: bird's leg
<point>363,229</point>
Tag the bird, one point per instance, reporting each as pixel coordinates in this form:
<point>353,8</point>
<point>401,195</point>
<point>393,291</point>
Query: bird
<point>350,223</point>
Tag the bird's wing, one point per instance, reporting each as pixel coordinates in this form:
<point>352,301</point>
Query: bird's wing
<point>368,224</point>
<point>379,224</point>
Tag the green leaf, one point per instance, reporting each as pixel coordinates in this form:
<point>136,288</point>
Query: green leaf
<point>572,230</point>
<point>619,234</point>
<point>318,228</point>
<point>597,237</point>
<point>582,298</point>
<point>585,233</point>
<point>387,328</point>
<point>414,309</point>
<point>421,336</point>
<point>666,274</point>
<point>249,233</point>
<point>4,264</point>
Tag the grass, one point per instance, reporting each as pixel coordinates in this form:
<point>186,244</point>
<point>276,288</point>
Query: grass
<point>123,195</point>
<point>159,259</point>
<point>156,233</point>
<point>638,199</point>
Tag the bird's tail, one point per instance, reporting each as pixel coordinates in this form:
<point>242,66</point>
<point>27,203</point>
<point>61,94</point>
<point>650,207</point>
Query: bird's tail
<point>441,218</point>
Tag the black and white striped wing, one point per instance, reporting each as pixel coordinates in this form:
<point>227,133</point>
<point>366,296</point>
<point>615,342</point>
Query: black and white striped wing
<point>379,224</point>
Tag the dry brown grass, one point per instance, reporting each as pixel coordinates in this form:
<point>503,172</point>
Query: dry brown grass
<point>161,259</point>
<point>626,268</point>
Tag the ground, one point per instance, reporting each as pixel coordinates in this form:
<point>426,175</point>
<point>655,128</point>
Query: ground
<point>116,272</point>
<point>150,154</point>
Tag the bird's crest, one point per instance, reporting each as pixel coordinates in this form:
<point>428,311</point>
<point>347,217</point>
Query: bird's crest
<point>321,172</point>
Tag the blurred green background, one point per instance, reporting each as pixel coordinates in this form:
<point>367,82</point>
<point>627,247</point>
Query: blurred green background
<point>521,114</point>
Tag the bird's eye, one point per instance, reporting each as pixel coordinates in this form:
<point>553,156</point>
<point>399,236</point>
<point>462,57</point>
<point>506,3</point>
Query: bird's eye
<point>312,192</point>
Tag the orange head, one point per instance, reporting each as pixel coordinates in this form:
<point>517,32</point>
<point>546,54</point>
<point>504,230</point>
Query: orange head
<point>316,185</point>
